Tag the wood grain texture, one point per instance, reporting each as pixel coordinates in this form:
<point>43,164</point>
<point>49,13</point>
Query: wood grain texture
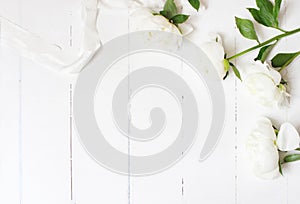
<point>35,142</point>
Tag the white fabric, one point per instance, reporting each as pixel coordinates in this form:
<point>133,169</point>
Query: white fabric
<point>52,55</point>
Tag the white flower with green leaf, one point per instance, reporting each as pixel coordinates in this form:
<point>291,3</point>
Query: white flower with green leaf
<point>264,145</point>
<point>143,19</point>
<point>168,19</point>
<point>264,82</point>
<point>265,14</point>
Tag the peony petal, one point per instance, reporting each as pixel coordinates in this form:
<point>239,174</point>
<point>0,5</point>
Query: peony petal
<point>275,75</point>
<point>258,67</point>
<point>143,19</point>
<point>265,162</point>
<point>157,4</point>
<point>215,52</point>
<point>263,151</point>
<point>121,4</point>
<point>264,156</point>
<point>273,174</point>
<point>288,137</point>
<point>186,29</point>
<point>138,17</point>
<point>265,128</point>
<point>261,88</point>
<point>283,98</point>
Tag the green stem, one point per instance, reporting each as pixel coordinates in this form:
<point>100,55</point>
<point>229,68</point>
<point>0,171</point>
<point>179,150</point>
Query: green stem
<point>284,31</point>
<point>278,37</point>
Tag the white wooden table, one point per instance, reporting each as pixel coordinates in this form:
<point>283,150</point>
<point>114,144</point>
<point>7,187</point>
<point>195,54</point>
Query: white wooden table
<point>38,139</point>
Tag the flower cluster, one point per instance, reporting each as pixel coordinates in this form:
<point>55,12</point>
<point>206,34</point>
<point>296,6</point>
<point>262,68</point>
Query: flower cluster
<point>265,144</point>
<point>261,78</point>
<point>262,81</point>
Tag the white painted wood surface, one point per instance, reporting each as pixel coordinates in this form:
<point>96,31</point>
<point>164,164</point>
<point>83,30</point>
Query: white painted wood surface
<point>35,125</point>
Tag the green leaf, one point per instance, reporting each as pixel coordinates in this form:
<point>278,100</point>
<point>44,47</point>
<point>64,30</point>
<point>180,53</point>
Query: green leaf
<point>256,15</point>
<point>284,59</point>
<point>164,13</point>
<point>179,18</point>
<point>264,52</point>
<point>267,13</point>
<point>246,28</point>
<point>170,9</point>
<point>265,5</point>
<point>268,19</point>
<point>236,71</point>
<point>292,158</point>
<point>277,9</point>
<point>263,17</point>
<point>195,4</point>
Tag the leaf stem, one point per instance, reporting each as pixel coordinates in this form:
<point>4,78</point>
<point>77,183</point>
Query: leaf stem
<point>278,37</point>
<point>284,31</point>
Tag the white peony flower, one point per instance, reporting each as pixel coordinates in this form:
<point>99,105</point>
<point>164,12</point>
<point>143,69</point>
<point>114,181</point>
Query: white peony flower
<point>262,146</point>
<point>262,149</point>
<point>143,19</point>
<point>263,82</point>
<point>215,52</point>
